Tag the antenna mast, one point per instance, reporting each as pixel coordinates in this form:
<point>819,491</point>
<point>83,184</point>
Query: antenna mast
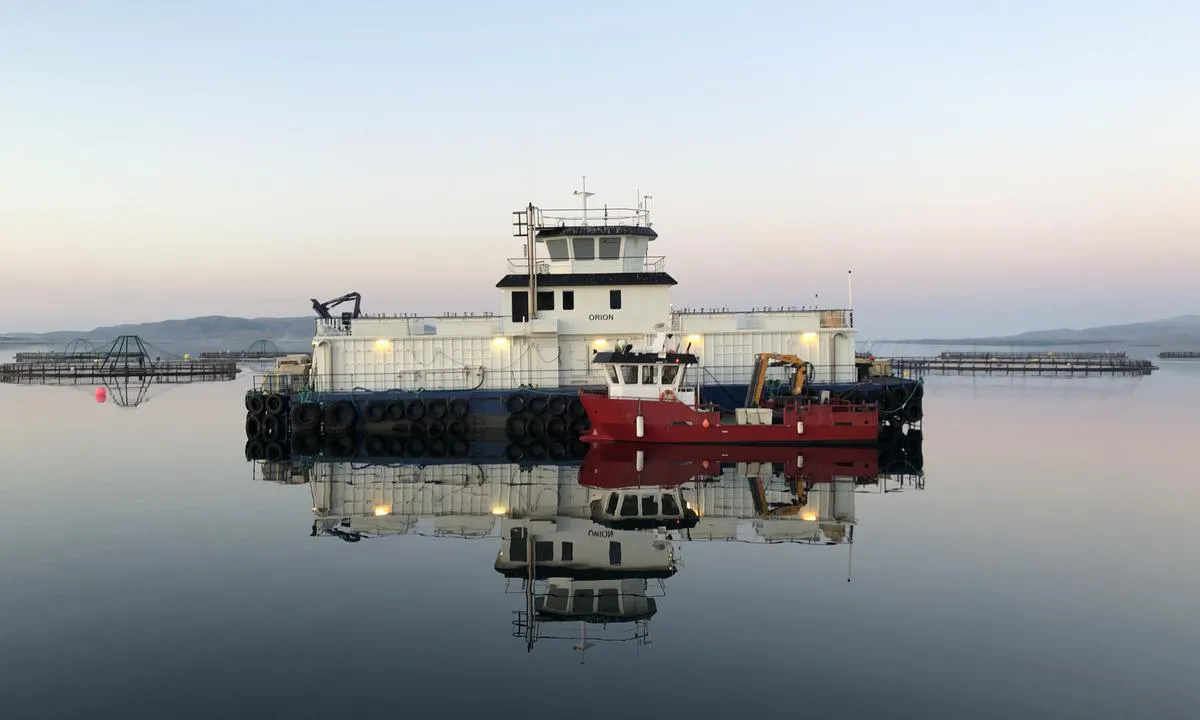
<point>583,192</point>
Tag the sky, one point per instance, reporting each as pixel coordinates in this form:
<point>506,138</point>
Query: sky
<point>982,167</point>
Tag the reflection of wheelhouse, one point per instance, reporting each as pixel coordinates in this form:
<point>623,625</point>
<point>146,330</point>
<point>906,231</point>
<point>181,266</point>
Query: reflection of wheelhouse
<point>644,507</point>
<point>581,550</point>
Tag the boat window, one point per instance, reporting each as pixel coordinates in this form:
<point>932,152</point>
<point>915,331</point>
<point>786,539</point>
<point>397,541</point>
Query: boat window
<point>611,508</point>
<point>568,551</point>
<point>608,602</point>
<point>612,373</point>
<point>557,598</point>
<point>610,248</point>
<point>629,506</point>
<point>649,374</point>
<point>670,507</point>
<point>568,299</point>
<point>584,601</point>
<point>649,505</point>
<point>614,553</point>
<point>629,374</point>
<point>557,249</point>
<point>585,248</point>
<point>614,299</point>
<point>545,300</point>
<point>543,551</point>
<point>669,373</point>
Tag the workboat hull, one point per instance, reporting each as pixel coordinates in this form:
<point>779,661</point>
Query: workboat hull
<point>620,465</point>
<point>671,421</point>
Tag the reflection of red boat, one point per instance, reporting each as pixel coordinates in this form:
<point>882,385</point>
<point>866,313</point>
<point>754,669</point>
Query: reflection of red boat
<point>616,465</point>
<point>647,401</point>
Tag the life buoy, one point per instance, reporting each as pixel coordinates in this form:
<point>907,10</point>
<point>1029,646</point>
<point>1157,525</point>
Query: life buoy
<point>667,395</point>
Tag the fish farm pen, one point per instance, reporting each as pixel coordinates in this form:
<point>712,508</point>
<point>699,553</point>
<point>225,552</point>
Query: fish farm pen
<point>1027,363</point>
<point>125,357</point>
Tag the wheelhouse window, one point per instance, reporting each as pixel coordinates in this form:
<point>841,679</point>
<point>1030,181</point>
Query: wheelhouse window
<point>568,299</point>
<point>585,248</point>
<point>557,249</point>
<point>670,507</point>
<point>612,373</point>
<point>629,374</point>
<point>545,300</point>
<point>614,299</point>
<point>610,248</point>
<point>669,373</point>
<point>649,374</point>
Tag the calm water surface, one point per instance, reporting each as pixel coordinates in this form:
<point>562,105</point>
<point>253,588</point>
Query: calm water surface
<point>1044,569</point>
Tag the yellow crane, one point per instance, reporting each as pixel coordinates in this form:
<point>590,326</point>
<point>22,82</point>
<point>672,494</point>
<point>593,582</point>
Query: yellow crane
<point>764,361</point>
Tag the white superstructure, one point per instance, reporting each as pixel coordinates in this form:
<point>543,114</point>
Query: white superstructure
<point>594,284</point>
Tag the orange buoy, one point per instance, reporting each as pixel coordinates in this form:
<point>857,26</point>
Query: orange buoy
<point>101,394</point>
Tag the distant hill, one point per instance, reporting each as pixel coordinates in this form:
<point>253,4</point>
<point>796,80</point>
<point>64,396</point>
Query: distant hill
<point>1180,332</point>
<point>193,335</point>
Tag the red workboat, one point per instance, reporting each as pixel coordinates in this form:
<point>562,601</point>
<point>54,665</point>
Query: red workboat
<point>648,400</point>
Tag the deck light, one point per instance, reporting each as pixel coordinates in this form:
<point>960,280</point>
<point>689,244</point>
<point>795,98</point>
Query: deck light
<point>808,337</point>
<point>600,342</point>
<point>499,341</point>
<point>383,344</point>
<point>381,510</point>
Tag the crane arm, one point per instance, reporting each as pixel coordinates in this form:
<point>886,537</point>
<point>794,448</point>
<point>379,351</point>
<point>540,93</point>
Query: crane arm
<point>322,308</point>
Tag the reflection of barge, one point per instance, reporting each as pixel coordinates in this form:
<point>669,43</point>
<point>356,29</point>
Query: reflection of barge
<point>585,284</point>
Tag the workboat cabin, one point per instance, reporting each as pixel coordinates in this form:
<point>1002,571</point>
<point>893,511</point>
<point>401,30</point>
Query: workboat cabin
<point>648,375</point>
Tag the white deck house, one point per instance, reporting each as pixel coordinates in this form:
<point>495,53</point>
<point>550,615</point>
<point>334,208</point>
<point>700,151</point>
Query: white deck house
<point>594,284</point>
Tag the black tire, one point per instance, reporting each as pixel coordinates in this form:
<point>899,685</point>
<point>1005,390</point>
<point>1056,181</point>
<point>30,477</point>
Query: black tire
<point>340,415</point>
<point>460,407</point>
<point>414,447</point>
<point>556,451</point>
<point>437,409</point>
<point>404,428</point>
<point>376,411</point>
<point>306,443</point>
<point>254,402</point>
<point>535,428</point>
<point>376,446</point>
<point>536,405</point>
<point>911,412</point>
<point>515,427</point>
<point>274,452</point>
<point>435,428</point>
<point>339,445</point>
<point>536,451</point>
<point>578,448</point>
<point>254,427</point>
<point>396,447</point>
<point>306,416</point>
<point>437,447</point>
<point>417,430</point>
<point>577,427</point>
<point>557,405</point>
<point>254,450</point>
<point>458,447</point>
<point>456,428</point>
<point>273,428</point>
<point>395,410</point>
<point>556,427</point>
<point>514,453</point>
<point>415,409</point>
<point>274,404</point>
<point>515,404</point>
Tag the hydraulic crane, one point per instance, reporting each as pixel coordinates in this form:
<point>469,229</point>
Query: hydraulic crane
<point>322,308</point>
<point>758,379</point>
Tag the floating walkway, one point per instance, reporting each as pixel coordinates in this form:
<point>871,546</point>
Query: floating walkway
<point>1045,363</point>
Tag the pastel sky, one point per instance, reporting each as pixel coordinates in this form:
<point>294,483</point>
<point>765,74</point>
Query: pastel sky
<point>983,167</point>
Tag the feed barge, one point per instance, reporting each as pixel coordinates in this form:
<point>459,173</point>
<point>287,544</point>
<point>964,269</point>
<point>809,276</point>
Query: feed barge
<point>586,283</point>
